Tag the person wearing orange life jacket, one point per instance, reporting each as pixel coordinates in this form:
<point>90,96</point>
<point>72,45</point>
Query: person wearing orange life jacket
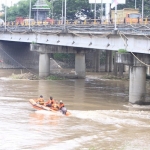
<point>62,107</point>
<point>52,103</point>
<point>40,100</point>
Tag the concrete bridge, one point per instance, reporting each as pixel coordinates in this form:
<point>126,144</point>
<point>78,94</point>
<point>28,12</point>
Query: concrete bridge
<point>81,39</point>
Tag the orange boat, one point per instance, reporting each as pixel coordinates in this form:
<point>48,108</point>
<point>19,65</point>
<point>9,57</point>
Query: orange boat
<point>37,106</point>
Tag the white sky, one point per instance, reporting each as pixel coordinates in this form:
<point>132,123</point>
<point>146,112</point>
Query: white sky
<point>8,2</point>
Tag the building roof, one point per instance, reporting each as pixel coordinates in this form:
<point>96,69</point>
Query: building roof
<point>41,4</point>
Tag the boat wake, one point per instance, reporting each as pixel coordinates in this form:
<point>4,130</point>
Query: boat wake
<point>45,112</point>
<point>120,117</point>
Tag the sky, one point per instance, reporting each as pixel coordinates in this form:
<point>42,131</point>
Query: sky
<point>8,2</point>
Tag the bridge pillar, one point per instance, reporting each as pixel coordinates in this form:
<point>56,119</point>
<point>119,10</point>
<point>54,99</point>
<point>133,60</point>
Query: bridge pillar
<point>115,70</point>
<point>97,61</point>
<point>137,85</point>
<point>121,69</point>
<point>80,64</point>
<point>44,64</point>
<point>109,61</point>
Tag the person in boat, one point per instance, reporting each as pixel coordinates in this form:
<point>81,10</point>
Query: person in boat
<point>62,107</point>
<point>52,104</point>
<point>40,100</point>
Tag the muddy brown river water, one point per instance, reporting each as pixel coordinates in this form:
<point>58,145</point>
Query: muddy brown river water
<point>102,118</point>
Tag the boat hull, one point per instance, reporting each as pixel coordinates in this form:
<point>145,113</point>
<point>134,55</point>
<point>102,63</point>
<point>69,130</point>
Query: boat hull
<point>42,107</point>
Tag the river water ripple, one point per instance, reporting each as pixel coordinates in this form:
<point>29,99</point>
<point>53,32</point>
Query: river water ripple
<point>101,117</point>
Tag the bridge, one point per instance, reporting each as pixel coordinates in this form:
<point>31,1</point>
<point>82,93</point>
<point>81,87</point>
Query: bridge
<point>87,36</point>
<point>79,39</point>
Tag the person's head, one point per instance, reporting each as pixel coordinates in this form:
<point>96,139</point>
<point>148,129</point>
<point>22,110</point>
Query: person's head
<point>41,96</point>
<point>61,101</point>
<point>51,97</point>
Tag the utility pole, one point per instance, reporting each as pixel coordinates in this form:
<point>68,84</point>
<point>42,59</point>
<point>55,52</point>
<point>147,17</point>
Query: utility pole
<point>62,12</point>
<point>52,9</point>
<point>142,9</point>
<point>101,17</point>
<point>29,14</point>
<point>95,11</point>
<point>65,16</point>
<point>5,12</point>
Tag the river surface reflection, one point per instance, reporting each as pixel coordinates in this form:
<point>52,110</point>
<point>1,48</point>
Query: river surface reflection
<point>101,117</point>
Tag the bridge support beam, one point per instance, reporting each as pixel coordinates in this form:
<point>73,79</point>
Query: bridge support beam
<point>109,61</point>
<point>137,88</point>
<point>97,61</point>
<point>80,64</point>
<point>44,65</point>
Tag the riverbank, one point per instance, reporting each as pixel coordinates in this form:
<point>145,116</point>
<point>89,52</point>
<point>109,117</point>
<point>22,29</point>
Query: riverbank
<point>68,75</point>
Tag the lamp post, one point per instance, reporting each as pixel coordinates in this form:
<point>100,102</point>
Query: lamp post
<point>5,12</point>
<point>95,11</point>
<point>65,16</point>
<point>101,16</point>
<point>52,10</point>
<point>29,14</point>
<point>135,4</point>
<point>62,17</point>
<point>37,15</point>
<point>115,17</point>
<point>142,9</point>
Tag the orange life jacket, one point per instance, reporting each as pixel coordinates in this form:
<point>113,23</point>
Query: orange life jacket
<point>40,100</point>
<point>52,101</point>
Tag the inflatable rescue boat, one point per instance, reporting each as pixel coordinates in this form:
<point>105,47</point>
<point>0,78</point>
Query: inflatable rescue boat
<point>37,106</point>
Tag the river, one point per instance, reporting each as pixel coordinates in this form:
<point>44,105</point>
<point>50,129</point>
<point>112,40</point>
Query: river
<point>102,118</point>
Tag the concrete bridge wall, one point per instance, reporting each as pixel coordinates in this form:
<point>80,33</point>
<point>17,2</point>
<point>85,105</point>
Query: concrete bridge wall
<point>101,41</point>
<point>17,55</point>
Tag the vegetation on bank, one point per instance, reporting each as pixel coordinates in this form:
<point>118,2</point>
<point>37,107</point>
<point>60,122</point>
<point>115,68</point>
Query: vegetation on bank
<point>55,77</point>
<point>113,77</point>
<point>28,75</point>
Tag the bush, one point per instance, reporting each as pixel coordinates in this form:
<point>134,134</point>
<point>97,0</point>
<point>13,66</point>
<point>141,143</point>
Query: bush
<point>122,51</point>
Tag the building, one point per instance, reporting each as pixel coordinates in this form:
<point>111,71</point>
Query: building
<point>40,10</point>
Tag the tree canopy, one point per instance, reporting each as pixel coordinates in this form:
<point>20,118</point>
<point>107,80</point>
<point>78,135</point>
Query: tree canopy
<point>22,8</point>
<point>19,9</point>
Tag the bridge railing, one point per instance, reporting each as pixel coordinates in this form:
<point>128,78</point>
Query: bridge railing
<point>77,22</point>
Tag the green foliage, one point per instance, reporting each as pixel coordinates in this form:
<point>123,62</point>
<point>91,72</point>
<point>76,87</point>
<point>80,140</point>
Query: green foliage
<point>54,77</point>
<point>112,77</point>
<point>22,8</point>
<point>131,4</point>
<point>72,7</point>
<point>62,57</point>
<point>122,51</point>
<point>33,42</point>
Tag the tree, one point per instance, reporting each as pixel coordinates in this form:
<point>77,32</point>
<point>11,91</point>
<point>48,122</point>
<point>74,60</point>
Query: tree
<point>77,5</point>
<point>131,4</point>
<point>20,9</point>
<point>73,6</point>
